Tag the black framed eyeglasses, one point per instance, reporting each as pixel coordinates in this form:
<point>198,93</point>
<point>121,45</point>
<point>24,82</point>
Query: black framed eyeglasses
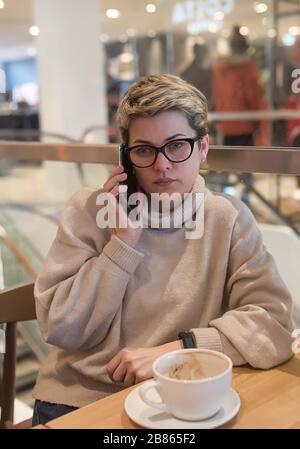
<point>178,150</point>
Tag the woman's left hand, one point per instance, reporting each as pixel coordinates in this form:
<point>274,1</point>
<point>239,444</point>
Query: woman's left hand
<point>133,365</point>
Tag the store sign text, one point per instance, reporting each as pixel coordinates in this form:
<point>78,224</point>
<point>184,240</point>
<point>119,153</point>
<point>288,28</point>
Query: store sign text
<point>196,10</point>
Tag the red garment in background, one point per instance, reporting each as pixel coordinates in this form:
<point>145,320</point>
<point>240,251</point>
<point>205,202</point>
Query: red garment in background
<point>236,88</point>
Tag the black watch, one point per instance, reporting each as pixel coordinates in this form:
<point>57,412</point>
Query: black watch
<point>187,339</point>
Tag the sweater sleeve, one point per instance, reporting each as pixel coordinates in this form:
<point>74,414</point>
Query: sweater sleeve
<point>256,326</point>
<point>83,281</point>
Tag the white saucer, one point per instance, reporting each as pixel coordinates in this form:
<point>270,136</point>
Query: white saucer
<point>152,418</point>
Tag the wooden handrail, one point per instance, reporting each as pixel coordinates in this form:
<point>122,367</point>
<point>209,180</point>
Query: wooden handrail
<point>17,303</point>
<point>283,160</point>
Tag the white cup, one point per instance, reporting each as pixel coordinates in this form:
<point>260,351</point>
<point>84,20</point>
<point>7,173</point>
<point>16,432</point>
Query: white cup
<point>190,400</point>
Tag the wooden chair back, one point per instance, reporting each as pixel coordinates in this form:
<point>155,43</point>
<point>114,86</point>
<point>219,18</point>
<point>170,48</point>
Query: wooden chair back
<point>16,304</point>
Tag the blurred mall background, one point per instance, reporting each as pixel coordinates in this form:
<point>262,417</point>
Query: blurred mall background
<point>64,65</point>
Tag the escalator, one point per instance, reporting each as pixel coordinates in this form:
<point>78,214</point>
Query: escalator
<point>20,262</point>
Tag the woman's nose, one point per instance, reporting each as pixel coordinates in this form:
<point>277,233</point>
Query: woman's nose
<point>162,163</point>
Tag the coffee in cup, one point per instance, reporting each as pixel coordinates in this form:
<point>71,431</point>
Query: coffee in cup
<point>192,383</point>
<point>191,367</point>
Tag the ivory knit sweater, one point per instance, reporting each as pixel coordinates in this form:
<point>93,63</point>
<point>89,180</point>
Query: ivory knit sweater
<point>96,295</point>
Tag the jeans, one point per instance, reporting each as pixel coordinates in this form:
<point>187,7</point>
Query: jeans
<point>46,411</point>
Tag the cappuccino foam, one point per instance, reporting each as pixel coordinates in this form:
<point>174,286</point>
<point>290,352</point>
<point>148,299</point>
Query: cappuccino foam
<point>195,367</point>
<point>186,371</point>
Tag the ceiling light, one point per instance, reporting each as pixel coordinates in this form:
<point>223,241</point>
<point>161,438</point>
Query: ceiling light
<point>288,39</point>
<point>244,31</point>
<point>193,28</point>
<point>123,38</point>
<point>31,52</point>
<point>131,32</point>
<point>225,33</point>
<point>294,31</point>
<point>104,37</point>
<point>213,28</point>
<point>219,15</point>
<point>150,7</point>
<point>271,33</point>
<point>34,30</point>
<point>260,7</point>
<point>126,57</point>
<point>2,4</point>
<point>151,33</point>
<point>113,13</point>
<point>223,47</point>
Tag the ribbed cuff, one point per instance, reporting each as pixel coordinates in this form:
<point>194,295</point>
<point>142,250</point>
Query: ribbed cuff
<point>208,338</point>
<point>126,257</point>
<point>231,351</point>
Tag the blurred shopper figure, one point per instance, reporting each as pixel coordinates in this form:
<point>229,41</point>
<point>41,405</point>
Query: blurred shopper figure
<point>199,73</point>
<point>236,87</point>
<point>113,98</point>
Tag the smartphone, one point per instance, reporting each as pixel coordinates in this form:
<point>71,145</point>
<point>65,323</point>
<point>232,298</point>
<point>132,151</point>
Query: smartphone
<point>131,180</point>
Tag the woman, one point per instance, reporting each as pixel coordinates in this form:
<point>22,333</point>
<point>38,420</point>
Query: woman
<point>112,300</point>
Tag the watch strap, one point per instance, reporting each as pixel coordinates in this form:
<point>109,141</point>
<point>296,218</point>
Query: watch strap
<point>187,339</point>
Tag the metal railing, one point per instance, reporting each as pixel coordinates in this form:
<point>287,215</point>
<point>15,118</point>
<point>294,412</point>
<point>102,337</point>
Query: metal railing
<point>213,117</point>
<point>266,114</point>
<point>38,135</point>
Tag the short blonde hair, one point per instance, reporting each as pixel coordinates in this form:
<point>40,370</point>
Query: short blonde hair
<point>163,92</point>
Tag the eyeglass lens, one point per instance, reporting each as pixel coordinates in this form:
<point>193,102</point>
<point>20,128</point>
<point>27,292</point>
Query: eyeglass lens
<point>176,151</point>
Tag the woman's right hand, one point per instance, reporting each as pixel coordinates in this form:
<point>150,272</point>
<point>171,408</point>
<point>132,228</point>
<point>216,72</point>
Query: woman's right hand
<point>129,234</point>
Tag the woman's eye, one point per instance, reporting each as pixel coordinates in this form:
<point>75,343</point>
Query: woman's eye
<point>144,150</point>
<point>175,146</point>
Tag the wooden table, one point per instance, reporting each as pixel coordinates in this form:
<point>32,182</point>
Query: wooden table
<point>269,399</point>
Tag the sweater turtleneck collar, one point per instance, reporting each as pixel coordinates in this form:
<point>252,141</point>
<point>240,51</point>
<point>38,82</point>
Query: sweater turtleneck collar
<point>183,213</point>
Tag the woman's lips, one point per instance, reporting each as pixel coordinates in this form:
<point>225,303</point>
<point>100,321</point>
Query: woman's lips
<point>163,182</point>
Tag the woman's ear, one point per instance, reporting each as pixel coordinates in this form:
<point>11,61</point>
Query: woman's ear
<point>203,148</point>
